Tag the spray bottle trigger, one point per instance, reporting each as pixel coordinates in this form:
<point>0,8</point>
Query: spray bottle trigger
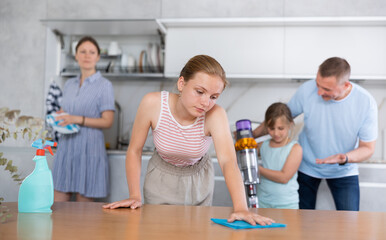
<point>49,149</point>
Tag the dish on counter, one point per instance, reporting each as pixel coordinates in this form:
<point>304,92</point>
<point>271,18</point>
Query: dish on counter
<point>142,63</point>
<point>153,55</point>
<point>159,59</point>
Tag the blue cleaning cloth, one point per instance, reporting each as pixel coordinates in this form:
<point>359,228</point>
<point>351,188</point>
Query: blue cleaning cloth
<point>244,225</point>
<point>71,128</point>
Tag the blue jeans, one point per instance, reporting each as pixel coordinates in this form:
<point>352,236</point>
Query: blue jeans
<point>345,191</point>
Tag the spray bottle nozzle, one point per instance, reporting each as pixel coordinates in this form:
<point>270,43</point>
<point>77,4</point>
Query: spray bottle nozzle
<point>47,145</point>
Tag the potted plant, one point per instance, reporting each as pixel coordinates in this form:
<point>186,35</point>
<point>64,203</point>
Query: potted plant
<point>16,126</point>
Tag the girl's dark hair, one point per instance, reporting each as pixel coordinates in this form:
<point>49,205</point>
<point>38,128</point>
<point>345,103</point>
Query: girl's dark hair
<point>275,111</point>
<point>205,64</point>
<point>88,39</point>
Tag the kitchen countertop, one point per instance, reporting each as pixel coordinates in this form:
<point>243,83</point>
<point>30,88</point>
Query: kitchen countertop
<point>214,156</point>
<point>33,150</point>
<point>76,220</point>
<point>123,152</point>
<point>146,153</point>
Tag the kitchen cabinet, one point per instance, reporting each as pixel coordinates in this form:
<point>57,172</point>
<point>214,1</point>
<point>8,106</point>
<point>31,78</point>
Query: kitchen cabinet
<point>241,51</point>
<point>139,40</point>
<point>119,188</point>
<point>372,184</point>
<point>247,48</point>
<point>371,175</point>
<point>364,47</point>
<point>279,48</point>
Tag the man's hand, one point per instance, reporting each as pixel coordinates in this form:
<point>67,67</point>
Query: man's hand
<point>337,158</point>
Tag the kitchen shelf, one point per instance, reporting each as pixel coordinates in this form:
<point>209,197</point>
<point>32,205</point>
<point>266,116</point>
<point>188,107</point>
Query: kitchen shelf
<point>104,26</point>
<point>123,75</point>
<point>119,71</point>
<point>133,36</point>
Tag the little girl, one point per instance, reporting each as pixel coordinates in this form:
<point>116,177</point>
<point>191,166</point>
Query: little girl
<point>281,158</point>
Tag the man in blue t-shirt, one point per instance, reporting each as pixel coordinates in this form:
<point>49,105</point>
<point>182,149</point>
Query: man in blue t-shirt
<point>340,130</point>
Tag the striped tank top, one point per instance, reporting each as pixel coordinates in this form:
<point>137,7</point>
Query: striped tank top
<point>176,144</point>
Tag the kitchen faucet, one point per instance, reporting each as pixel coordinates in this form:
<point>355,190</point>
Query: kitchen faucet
<point>121,142</point>
<point>119,121</point>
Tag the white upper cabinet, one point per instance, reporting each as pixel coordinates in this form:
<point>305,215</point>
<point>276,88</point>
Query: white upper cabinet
<point>278,48</point>
<point>364,47</point>
<point>250,52</point>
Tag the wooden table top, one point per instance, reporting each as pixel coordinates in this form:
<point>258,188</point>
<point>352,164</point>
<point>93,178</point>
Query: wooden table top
<point>71,220</point>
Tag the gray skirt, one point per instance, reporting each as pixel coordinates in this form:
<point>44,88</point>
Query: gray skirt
<point>166,183</point>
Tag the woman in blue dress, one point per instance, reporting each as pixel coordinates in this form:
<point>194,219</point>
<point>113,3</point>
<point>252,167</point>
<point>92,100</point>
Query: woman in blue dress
<point>81,164</point>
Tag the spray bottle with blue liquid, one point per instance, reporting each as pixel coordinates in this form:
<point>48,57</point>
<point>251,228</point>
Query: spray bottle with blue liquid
<point>36,193</point>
